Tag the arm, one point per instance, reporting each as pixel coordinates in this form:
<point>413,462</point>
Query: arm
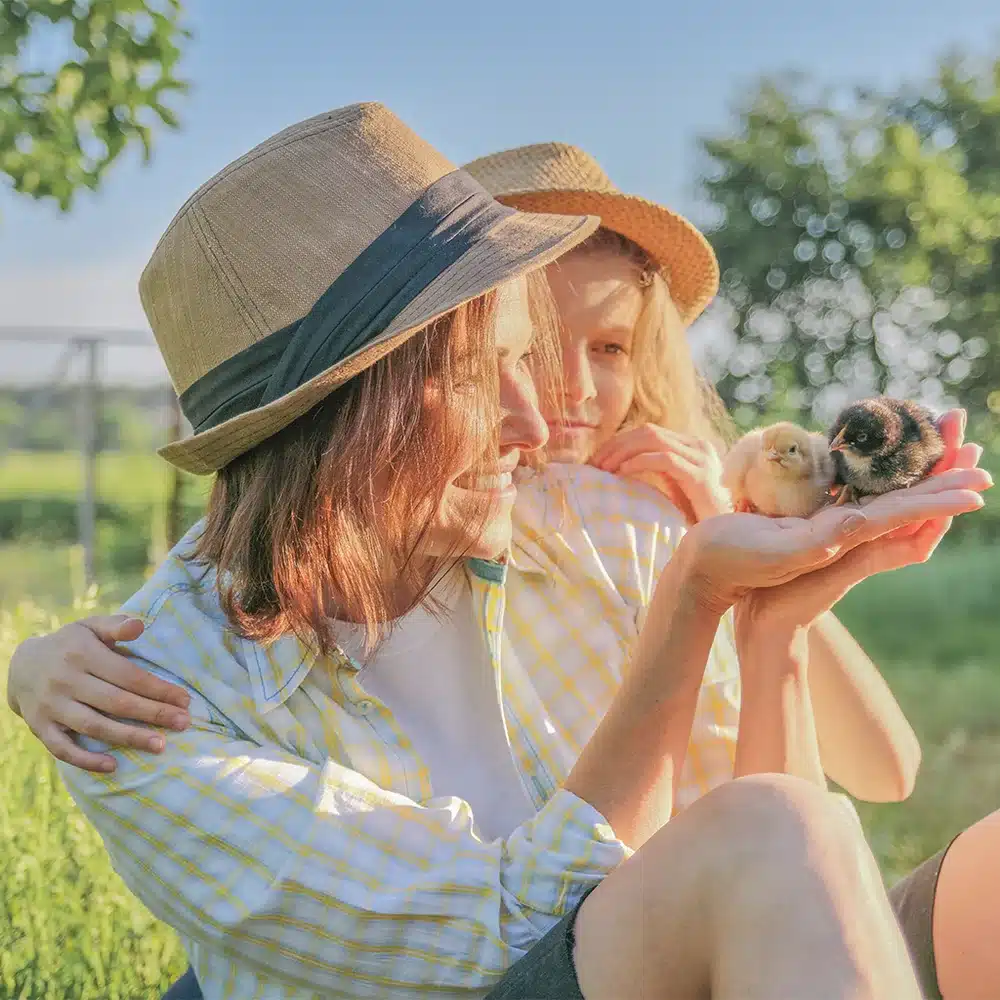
<point>867,745</point>
<point>629,769</point>
<point>777,729</point>
<point>319,879</point>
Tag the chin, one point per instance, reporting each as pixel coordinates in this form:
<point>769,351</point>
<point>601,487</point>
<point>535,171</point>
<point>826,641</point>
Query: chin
<point>495,539</point>
<point>562,454</point>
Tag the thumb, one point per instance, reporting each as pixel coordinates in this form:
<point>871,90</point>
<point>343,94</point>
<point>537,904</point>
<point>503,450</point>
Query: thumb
<point>113,628</point>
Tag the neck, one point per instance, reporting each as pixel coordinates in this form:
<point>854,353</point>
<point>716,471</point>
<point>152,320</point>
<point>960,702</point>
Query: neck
<point>402,594</point>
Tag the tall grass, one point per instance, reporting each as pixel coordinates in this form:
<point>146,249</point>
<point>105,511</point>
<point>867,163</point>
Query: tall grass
<point>69,929</point>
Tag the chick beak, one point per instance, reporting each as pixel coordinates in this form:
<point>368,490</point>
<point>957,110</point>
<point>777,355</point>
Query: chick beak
<point>838,443</point>
<point>773,456</point>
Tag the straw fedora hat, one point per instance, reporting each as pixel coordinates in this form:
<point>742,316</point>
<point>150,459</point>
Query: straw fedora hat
<point>312,256</point>
<point>556,177</point>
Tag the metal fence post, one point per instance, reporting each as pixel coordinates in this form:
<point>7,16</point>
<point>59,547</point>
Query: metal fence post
<point>90,447</point>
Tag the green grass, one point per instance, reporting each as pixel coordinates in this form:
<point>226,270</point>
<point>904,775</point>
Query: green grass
<point>69,930</point>
<point>122,477</point>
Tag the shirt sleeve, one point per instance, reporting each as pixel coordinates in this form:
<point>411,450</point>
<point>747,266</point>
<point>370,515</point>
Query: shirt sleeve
<point>323,880</point>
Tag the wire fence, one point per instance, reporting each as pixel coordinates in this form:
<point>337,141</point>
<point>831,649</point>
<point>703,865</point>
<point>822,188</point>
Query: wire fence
<point>68,396</point>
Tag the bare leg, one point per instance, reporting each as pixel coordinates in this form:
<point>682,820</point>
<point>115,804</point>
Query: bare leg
<point>967,914</point>
<point>764,888</point>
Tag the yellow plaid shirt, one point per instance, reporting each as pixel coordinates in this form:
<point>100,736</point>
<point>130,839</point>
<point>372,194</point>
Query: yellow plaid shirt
<point>588,550</point>
<point>291,835</point>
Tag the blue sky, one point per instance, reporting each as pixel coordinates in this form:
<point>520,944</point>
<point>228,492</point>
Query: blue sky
<point>634,83</point>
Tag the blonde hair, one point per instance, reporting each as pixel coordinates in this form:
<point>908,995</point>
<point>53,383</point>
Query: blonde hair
<point>669,390</point>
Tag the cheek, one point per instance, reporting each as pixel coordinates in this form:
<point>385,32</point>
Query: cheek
<point>615,392</point>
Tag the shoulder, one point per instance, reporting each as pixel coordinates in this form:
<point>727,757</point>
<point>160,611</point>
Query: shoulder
<point>187,638</point>
<point>579,520</point>
<point>579,497</point>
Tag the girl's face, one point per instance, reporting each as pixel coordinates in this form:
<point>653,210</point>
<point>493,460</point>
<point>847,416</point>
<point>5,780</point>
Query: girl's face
<point>599,301</point>
<point>522,429</point>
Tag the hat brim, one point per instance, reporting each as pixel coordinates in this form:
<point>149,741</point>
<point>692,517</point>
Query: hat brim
<point>676,246</point>
<point>521,243</point>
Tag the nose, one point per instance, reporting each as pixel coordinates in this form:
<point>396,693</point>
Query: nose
<point>578,375</point>
<point>522,426</point>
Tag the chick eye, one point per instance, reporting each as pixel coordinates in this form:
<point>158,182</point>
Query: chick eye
<point>793,449</point>
<point>862,437</point>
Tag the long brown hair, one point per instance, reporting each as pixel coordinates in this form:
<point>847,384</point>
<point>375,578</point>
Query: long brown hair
<point>669,389</point>
<point>322,519</point>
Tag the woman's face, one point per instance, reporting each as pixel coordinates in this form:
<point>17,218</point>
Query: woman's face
<point>522,429</point>
<point>599,301</point>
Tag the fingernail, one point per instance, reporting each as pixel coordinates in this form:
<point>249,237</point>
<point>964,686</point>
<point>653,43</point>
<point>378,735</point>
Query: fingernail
<point>853,524</point>
<point>965,419</point>
<point>107,766</point>
<point>180,721</point>
<point>156,744</point>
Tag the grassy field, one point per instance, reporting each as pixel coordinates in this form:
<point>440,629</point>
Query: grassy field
<point>121,476</point>
<point>69,930</point>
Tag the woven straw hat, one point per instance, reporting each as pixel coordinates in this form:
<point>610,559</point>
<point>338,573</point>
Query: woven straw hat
<point>556,177</point>
<point>314,255</point>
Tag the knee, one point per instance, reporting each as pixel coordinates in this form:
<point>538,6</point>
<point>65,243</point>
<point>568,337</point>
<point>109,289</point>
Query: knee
<point>779,817</point>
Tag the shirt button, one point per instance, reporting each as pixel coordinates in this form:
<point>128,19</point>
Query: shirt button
<point>365,706</point>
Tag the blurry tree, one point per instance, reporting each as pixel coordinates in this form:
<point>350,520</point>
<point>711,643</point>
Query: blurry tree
<point>80,80</point>
<point>857,245</point>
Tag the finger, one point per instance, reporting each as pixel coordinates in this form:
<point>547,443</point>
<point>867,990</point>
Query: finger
<point>951,427</point>
<point>113,700</point>
<point>111,628</point>
<point>908,507</point>
<point>608,449</point>
<point>62,747</point>
<point>81,719</point>
<point>953,479</point>
<point>642,440</point>
<point>968,456</point>
<point>129,676</point>
<point>665,462</point>
<point>671,490</point>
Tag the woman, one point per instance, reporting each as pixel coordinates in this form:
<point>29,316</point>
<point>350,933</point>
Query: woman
<point>292,834</point>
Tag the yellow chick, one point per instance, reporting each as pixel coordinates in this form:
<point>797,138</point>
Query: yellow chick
<point>781,471</point>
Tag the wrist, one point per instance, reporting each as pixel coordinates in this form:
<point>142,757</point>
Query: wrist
<point>773,649</point>
<point>703,596</point>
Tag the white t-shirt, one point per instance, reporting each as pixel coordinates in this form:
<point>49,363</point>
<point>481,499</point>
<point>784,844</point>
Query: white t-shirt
<point>435,678</point>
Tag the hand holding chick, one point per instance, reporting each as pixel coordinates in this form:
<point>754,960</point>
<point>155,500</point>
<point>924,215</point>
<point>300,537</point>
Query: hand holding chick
<point>884,444</point>
<point>780,471</point>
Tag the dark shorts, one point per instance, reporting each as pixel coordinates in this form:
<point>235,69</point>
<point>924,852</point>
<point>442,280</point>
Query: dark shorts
<point>912,901</point>
<point>547,972</point>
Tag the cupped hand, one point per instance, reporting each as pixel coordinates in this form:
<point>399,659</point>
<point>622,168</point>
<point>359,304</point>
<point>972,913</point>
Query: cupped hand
<point>686,469</point>
<point>730,556</point>
<point>799,603</point>
<point>71,682</point>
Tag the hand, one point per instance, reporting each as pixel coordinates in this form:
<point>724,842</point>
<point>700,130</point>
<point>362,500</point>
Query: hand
<point>61,683</point>
<point>798,604</point>
<point>686,469</point>
<point>731,555</point>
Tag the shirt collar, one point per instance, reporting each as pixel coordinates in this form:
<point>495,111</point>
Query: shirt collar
<point>278,669</point>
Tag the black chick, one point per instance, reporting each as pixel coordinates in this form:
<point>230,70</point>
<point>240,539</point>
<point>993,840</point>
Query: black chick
<point>883,444</point>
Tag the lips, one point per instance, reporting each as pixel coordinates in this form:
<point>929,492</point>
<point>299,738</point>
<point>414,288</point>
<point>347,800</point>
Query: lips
<point>571,425</point>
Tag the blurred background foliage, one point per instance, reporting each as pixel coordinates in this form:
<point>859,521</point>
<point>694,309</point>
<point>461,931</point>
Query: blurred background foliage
<point>80,81</point>
<point>857,235</point>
